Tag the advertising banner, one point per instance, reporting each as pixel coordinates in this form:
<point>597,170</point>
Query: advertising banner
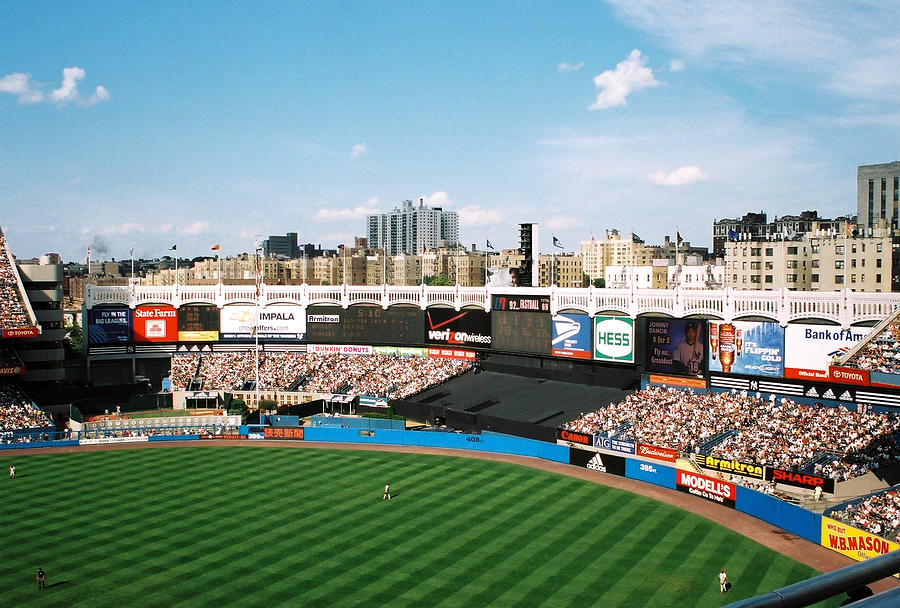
<point>675,346</point>
<point>652,451</point>
<point>852,542</point>
<point>521,303</point>
<point>459,328</point>
<point>611,444</point>
<point>109,325</point>
<point>735,467</point>
<point>155,324</point>
<point>113,439</point>
<point>848,375</point>
<point>402,351</point>
<point>283,432</point>
<point>614,339</point>
<point>656,474</point>
<point>574,437</point>
<point>12,370</point>
<point>708,488</point>
<point>279,322</point>
<point>21,332</point>
<point>746,347</point>
<point>810,349</point>
<point>800,480</point>
<point>451,353</point>
<point>341,349</point>
<point>571,336</point>
<point>678,381</point>
<point>605,463</point>
<point>198,324</point>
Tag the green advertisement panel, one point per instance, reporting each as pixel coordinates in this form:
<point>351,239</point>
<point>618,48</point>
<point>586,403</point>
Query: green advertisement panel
<point>614,339</point>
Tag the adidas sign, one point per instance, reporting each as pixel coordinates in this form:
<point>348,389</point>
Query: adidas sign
<point>596,464</point>
<point>812,392</point>
<point>829,394</point>
<point>846,396</point>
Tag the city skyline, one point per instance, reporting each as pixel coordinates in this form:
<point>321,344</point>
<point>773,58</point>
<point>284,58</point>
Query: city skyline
<point>165,124</point>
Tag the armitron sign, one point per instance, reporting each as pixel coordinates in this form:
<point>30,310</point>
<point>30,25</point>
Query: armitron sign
<point>734,467</point>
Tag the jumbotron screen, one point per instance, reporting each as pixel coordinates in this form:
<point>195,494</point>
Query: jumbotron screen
<point>364,324</point>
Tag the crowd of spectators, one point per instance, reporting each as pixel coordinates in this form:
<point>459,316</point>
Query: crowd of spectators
<point>17,411</point>
<point>12,313</point>
<point>881,353</point>
<point>878,514</point>
<point>390,376</point>
<point>782,434</point>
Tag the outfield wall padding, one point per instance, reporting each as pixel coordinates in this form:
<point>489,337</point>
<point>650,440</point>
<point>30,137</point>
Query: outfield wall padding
<point>651,472</point>
<point>173,437</point>
<point>786,516</point>
<point>503,444</point>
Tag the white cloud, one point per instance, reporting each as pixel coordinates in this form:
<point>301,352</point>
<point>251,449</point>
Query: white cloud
<point>475,215</point>
<point>358,150</point>
<point>563,222</point>
<point>198,227</point>
<point>566,67</point>
<point>851,47</point>
<point>630,75</point>
<point>75,181</point>
<point>22,85</point>
<point>355,213</point>
<point>438,199</point>
<point>682,176</point>
<point>125,228</point>
<point>676,65</point>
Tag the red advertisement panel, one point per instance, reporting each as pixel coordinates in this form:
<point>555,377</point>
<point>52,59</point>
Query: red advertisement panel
<point>283,432</point>
<point>12,370</point>
<point>21,332</point>
<point>709,488</point>
<point>156,323</point>
<point>656,452</point>
<point>846,375</point>
<point>451,353</point>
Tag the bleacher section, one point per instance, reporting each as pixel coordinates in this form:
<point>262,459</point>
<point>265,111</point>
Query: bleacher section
<point>16,314</point>
<point>545,402</point>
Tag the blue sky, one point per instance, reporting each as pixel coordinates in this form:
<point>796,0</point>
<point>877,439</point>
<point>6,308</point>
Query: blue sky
<point>160,123</point>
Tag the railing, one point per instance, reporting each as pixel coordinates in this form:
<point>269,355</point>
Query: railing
<point>844,308</point>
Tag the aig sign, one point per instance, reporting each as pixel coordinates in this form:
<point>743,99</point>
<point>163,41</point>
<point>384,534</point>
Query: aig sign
<point>614,339</point>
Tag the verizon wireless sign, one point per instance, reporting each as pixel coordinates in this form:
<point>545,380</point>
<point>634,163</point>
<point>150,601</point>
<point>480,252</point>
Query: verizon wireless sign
<point>449,327</point>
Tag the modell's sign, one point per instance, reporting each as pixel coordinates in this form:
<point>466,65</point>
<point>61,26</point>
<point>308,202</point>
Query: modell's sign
<point>713,490</point>
<point>734,467</point>
<point>574,437</point>
<point>800,480</point>
<point>656,452</point>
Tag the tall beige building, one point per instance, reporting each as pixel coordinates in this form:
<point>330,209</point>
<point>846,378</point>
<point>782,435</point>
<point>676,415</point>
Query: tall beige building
<point>613,250</point>
<point>819,260</point>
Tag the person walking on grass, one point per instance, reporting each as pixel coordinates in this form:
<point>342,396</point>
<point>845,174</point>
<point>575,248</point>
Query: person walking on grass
<point>387,492</point>
<point>12,471</point>
<point>723,581</point>
<point>40,578</point>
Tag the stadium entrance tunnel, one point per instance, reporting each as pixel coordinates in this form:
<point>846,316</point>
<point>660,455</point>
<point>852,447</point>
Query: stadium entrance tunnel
<point>850,580</point>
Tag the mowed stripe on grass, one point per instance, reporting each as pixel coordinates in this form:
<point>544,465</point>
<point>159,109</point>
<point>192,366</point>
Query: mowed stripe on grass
<point>251,526</point>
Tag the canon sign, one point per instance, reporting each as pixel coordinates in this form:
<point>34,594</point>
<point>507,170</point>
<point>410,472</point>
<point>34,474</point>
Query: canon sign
<point>580,438</point>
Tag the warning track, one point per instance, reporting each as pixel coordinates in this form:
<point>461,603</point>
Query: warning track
<point>788,544</point>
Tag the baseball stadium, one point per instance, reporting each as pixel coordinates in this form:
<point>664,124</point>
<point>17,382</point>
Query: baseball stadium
<point>447,446</point>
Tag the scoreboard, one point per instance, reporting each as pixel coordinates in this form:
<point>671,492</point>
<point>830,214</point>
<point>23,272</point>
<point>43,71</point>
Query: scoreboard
<point>521,303</point>
<point>521,332</point>
<point>365,325</point>
<point>198,323</point>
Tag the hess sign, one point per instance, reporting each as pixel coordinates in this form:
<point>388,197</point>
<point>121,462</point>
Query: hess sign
<point>614,339</point>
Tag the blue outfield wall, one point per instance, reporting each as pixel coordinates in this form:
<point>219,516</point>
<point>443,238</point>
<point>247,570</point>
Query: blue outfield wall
<point>38,444</point>
<point>504,444</point>
<point>651,472</point>
<point>173,437</point>
<point>786,516</point>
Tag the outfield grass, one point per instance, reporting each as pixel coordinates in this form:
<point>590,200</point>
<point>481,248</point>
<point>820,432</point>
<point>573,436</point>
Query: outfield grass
<point>259,526</point>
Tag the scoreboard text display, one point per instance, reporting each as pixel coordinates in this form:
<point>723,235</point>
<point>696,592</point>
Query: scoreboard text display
<point>198,324</point>
<point>365,325</point>
<point>521,332</point>
<point>521,303</point>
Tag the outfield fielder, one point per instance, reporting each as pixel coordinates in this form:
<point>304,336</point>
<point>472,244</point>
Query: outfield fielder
<point>387,492</point>
<point>723,579</point>
<point>12,472</point>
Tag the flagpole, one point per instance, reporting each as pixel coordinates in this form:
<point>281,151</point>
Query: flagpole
<point>256,331</point>
<point>132,262</point>
<point>89,262</point>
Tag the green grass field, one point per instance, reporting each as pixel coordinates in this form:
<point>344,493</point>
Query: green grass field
<point>261,526</point>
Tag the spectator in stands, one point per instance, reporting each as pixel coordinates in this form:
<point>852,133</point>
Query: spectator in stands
<point>878,514</point>
<point>881,353</point>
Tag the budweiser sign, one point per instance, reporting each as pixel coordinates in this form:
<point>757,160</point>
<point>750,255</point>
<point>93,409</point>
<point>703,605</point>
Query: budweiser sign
<point>656,452</point>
